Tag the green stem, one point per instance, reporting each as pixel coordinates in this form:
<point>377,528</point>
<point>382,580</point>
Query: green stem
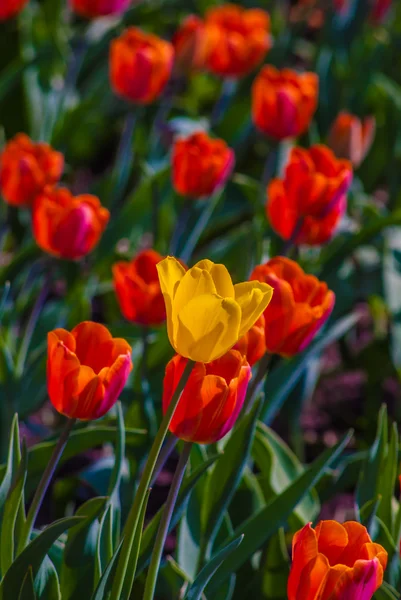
<point>163,456</point>
<point>254,387</point>
<point>147,401</point>
<point>126,567</point>
<point>165,520</point>
<point>44,483</point>
<point>199,228</point>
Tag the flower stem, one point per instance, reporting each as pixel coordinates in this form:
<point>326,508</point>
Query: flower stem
<point>254,388</point>
<point>163,456</point>
<point>44,483</point>
<point>227,92</point>
<point>161,536</point>
<point>148,403</point>
<point>193,238</point>
<point>126,566</point>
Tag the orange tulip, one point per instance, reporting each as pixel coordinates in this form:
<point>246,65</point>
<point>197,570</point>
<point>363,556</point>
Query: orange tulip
<point>239,39</point>
<point>351,138</point>
<point>140,65</point>
<point>212,398</point>
<point>26,167</point>
<point>200,165</point>
<point>191,44</point>
<point>99,8</point>
<point>138,289</point>
<point>335,562</point>
<point>86,370</point>
<point>67,226</point>
<point>308,203</point>
<point>10,8</point>
<point>300,305</point>
<point>253,344</point>
<point>284,102</point>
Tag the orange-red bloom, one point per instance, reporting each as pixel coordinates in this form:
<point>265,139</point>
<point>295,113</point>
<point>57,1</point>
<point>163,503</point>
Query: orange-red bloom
<point>10,8</point>
<point>138,289</point>
<point>99,8</point>
<point>284,102</point>
<point>351,138</point>
<point>310,200</point>
<point>26,168</point>
<point>200,165</point>
<point>380,10</point>
<point>239,39</point>
<point>253,344</point>
<point>300,305</point>
<point>68,226</point>
<point>191,44</point>
<point>335,562</point>
<point>86,370</point>
<point>140,65</point>
<point>212,398</point>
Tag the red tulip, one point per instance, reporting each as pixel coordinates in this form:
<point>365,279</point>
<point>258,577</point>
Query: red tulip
<point>10,8</point>
<point>191,44</point>
<point>253,344</point>
<point>92,9</point>
<point>351,138</point>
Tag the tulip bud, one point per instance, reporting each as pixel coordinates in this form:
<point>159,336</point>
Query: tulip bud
<point>138,289</point>
<point>26,168</point>
<point>206,313</point>
<point>212,398</point>
<point>309,201</point>
<point>191,43</point>
<point>351,138</point>
<point>140,65</point>
<point>200,165</point>
<point>335,562</point>
<point>239,39</point>
<point>67,226</point>
<point>299,307</point>
<point>284,102</point>
<point>10,8</point>
<point>86,370</point>
<point>91,9</point>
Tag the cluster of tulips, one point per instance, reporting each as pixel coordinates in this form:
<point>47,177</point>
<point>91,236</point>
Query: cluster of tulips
<point>219,330</point>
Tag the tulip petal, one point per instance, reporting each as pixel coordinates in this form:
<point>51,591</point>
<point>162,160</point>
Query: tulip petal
<point>208,327</point>
<point>253,297</point>
<point>196,282</point>
<point>221,277</point>
<point>358,583</point>
<point>332,538</point>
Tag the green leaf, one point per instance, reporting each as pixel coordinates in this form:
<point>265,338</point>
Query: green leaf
<point>27,591</point>
<point>13,459</point>
<point>104,546</point>
<point>106,579</point>
<point>14,503</point>
<point>279,467</point>
<point>227,473</point>
<point>386,592</point>
<point>195,590</point>
<point>259,528</point>
<point>33,555</point>
<point>150,532</point>
<point>47,585</point>
<point>284,377</point>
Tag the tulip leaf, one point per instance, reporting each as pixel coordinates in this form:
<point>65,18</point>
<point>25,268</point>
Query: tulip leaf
<point>13,459</point>
<point>46,581</point>
<point>105,581</point>
<point>259,528</point>
<point>279,467</point>
<point>227,473</point>
<point>196,589</point>
<point>150,532</point>
<point>104,546</point>
<point>33,556</point>
<point>27,591</point>
<point>283,378</point>
<point>386,592</point>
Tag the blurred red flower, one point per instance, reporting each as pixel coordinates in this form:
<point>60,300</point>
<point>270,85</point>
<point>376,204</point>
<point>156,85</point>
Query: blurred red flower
<point>26,167</point>
<point>335,562</point>
<point>309,201</point>
<point>68,226</point>
<point>140,65</point>
<point>200,165</point>
<point>284,102</point>
<point>351,138</point>
<point>99,8</point>
<point>138,289</point>
<point>239,39</point>
<point>212,398</point>
<point>10,8</point>
<point>300,305</point>
<point>86,370</point>
<point>253,344</point>
<point>191,44</point>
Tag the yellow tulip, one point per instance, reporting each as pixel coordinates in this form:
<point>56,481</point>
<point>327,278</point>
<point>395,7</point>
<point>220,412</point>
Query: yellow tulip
<point>206,313</point>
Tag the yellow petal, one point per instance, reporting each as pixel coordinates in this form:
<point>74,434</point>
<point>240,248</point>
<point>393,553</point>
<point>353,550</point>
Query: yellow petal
<point>221,277</point>
<point>170,273</point>
<point>196,282</point>
<point>208,327</point>
<point>252,297</point>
